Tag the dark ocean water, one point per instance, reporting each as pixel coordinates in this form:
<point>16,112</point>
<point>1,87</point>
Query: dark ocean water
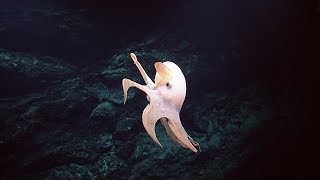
<point>250,79</point>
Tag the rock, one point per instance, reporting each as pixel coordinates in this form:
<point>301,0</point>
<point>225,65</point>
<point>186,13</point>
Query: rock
<point>42,69</point>
<point>124,151</point>
<point>99,91</point>
<point>30,73</point>
<point>71,171</point>
<point>104,110</point>
<point>89,134</point>
<point>109,166</point>
<point>104,113</point>
<point>124,128</point>
<point>104,143</point>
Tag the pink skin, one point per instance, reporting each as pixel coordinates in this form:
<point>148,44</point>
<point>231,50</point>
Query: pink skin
<point>166,97</point>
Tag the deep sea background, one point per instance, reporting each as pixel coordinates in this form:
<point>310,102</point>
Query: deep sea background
<point>251,88</point>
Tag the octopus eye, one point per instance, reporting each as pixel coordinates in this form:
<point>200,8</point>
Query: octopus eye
<point>168,85</point>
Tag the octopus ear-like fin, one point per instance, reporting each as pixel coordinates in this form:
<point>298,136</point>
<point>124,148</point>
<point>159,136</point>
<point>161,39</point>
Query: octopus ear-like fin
<point>163,71</point>
<point>144,75</point>
<point>127,83</point>
<point>150,116</point>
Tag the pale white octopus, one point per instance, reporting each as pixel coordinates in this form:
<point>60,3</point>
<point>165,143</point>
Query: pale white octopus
<point>166,96</point>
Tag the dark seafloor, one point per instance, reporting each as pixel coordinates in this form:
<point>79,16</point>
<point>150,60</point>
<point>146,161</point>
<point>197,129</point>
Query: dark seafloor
<point>251,88</point>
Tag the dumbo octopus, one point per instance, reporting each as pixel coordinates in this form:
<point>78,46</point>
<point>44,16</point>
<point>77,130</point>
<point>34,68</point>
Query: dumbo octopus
<point>166,96</point>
